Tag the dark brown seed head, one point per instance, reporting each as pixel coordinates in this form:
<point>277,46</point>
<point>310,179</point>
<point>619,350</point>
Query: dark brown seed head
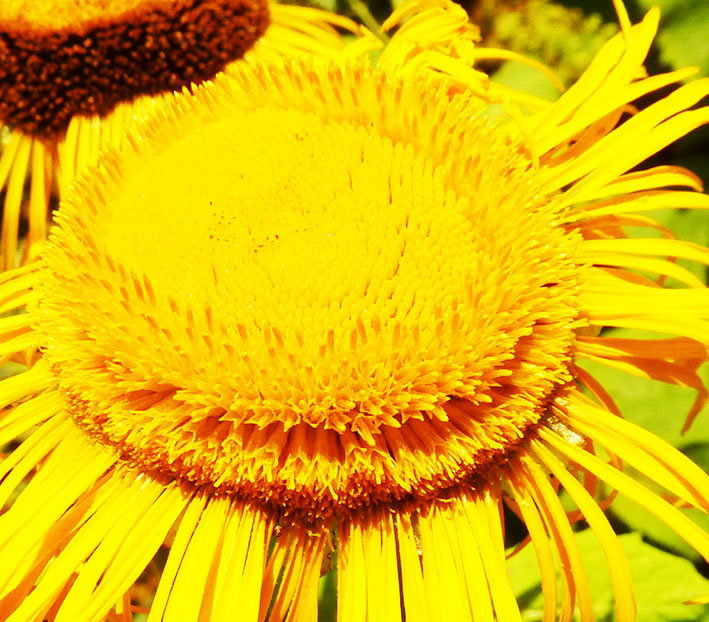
<point>85,57</point>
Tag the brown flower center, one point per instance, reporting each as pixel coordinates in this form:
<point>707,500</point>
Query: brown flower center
<point>60,58</point>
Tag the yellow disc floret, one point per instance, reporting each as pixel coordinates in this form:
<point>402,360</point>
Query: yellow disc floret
<point>306,309</point>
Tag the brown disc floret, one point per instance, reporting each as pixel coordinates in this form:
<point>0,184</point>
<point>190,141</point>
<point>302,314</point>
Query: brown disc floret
<point>83,59</point>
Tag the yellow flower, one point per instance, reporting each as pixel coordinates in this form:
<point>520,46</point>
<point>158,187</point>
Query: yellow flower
<point>74,74</point>
<point>318,304</point>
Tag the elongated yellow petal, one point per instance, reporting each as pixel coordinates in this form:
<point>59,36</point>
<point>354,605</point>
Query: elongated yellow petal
<point>652,456</point>
<point>21,462</point>
<point>540,540</point>
<point>626,485</point>
<point>486,526</point>
<point>183,536</point>
<point>13,202</point>
<point>242,559</point>
<point>617,563</point>
<point>573,573</point>
<point>613,59</point>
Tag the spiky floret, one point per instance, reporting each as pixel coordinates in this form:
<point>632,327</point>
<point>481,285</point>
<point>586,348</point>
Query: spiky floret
<point>388,351</point>
<point>371,315</point>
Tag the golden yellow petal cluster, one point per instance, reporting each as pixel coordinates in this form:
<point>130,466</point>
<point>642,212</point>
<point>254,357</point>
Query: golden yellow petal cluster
<point>319,305</point>
<point>386,316</point>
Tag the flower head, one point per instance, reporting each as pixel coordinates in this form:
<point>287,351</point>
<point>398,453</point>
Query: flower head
<point>74,74</point>
<point>319,301</point>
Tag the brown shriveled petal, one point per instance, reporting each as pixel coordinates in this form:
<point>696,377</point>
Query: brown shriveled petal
<point>71,58</point>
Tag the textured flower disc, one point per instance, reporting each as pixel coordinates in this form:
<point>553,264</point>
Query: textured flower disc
<point>377,332</point>
<point>60,58</point>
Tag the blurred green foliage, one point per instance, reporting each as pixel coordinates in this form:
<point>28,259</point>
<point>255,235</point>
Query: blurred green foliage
<point>683,39</point>
<point>662,582</point>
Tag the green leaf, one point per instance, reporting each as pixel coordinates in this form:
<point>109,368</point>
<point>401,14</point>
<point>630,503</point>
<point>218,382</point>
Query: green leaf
<point>327,610</point>
<point>682,39</point>
<point>657,531</point>
<point>660,408</point>
<point>562,38</point>
<point>523,78</point>
<point>688,225</point>
<point>662,582</point>
<point>654,405</point>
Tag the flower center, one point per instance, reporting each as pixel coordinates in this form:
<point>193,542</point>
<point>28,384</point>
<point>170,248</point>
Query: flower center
<point>61,58</point>
<point>305,309</point>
